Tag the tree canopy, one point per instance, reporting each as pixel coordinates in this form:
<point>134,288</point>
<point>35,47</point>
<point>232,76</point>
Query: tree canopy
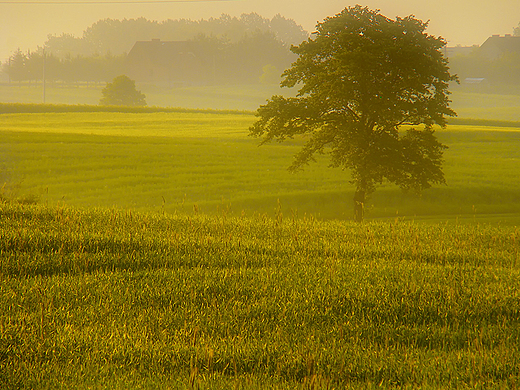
<point>230,49</point>
<point>122,92</point>
<point>362,79</point>
<point>118,36</point>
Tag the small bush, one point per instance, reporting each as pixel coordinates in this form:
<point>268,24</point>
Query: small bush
<point>122,92</point>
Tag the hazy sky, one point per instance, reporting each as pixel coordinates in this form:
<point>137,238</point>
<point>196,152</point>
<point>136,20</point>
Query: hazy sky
<point>25,24</point>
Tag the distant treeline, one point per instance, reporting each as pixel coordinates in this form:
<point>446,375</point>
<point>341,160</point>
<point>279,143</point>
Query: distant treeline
<point>118,36</point>
<point>100,54</point>
<point>33,66</point>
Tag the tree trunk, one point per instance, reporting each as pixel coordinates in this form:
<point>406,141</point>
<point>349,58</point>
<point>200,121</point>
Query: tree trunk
<point>359,205</point>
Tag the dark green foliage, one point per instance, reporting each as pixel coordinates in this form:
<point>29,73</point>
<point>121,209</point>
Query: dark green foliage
<point>122,92</point>
<point>362,77</point>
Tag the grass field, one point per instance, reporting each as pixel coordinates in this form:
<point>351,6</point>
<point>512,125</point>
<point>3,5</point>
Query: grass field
<point>117,299</point>
<point>222,97</point>
<point>467,102</point>
<point>178,161</point>
<point>168,251</point>
<point>471,104</point>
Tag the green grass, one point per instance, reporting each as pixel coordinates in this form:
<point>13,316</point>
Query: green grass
<point>118,299</point>
<point>38,108</point>
<point>468,103</point>
<point>178,161</point>
<point>168,250</point>
<point>489,106</point>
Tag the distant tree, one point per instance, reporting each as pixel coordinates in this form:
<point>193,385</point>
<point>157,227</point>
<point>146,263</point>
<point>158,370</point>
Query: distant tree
<point>34,66</point>
<point>506,69</point>
<point>516,31</point>
<point>287,30</point>
<point>362,77</point>
<point>249,56</point>
<point>67,45</point>
<point>270,75</point>
<point>122,92</point>
<point>118,36</point>
<point>16,67</point>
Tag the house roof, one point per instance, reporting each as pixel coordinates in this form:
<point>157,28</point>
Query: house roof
<point>497,45</point>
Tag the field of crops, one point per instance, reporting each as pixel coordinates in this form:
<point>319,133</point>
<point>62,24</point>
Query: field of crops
<point>177,161</point>
<point>117,299</point>
<point>168,250</point>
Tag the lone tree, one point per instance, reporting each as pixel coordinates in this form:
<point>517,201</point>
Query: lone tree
<point>122,92</point>
<point>362,77</point>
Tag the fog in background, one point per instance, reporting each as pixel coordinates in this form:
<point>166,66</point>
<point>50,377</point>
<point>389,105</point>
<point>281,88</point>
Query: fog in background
<point>25,24</point>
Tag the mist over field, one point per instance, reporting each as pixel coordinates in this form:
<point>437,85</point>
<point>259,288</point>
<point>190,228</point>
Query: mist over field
<point>89,44</point>
<point>25,25</point>
<point>234,61</point>
<point>148,241</point>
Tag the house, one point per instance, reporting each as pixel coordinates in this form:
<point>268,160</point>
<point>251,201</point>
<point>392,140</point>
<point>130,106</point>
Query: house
<point>166,63</point>
<point>496,46</point>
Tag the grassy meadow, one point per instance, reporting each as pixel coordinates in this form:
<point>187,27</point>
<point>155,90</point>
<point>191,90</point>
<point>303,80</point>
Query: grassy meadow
<point>180,161</point>
<point>167,250</point>
<point>495,104</point>
<point>117,299</point>
<point>221,97</point>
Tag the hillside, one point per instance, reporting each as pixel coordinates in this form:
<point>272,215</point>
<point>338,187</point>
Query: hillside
<point>176,160</point>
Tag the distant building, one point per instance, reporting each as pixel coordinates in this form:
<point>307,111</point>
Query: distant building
<point>496,46</point>
<point>168,63</point>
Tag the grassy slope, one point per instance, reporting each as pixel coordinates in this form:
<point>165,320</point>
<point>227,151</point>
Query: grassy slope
<point>176,161</point>
<point>115,299</point>
<point>108,299</point>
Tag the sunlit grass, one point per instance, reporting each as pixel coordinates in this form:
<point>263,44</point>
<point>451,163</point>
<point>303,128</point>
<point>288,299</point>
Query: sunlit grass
<point>105,298</point>
<point>236,274</point>
<point>146,172</point>
<point>176,161</point>
<point>177,124</point>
